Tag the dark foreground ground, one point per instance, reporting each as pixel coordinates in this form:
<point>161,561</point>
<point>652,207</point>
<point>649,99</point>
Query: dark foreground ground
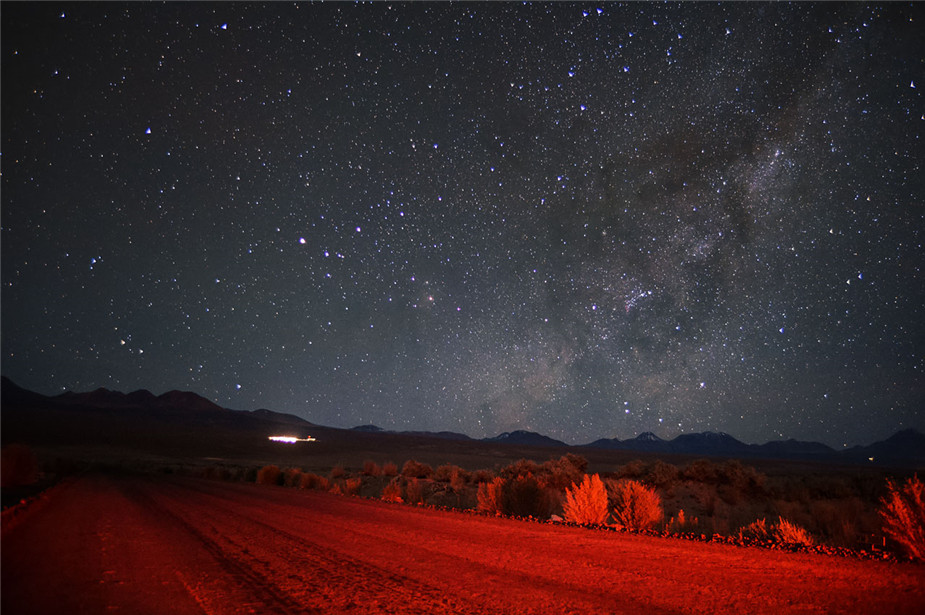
<point>105,544</point>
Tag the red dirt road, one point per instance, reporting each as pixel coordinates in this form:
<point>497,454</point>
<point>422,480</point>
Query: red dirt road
<point>170,545</point>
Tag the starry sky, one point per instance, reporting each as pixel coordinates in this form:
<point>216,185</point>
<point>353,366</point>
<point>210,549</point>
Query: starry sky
<point>586,220</point>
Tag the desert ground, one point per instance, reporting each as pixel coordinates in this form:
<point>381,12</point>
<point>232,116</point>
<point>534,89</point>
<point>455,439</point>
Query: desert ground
<point>159,543</point>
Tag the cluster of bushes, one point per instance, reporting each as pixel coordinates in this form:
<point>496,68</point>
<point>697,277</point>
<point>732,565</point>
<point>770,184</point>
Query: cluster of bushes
<point>722,498</point>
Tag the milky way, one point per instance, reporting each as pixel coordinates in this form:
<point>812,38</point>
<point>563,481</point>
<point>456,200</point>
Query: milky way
<point>584,220</point>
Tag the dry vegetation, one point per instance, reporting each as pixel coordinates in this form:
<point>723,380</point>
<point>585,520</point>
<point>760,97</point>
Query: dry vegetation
<point>832,509</point>
<point>701,499</point>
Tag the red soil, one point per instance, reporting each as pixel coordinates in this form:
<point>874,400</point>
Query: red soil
<point>159,545</point>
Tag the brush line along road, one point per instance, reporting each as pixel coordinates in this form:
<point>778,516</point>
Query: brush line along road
<point>174,545</point>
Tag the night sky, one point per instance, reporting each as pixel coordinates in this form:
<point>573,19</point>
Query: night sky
<point>583,220</point>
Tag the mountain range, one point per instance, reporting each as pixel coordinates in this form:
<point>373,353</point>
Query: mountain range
<point>190,414</point>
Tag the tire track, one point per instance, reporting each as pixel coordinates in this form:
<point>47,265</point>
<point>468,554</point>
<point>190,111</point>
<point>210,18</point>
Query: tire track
<point>290,572</point>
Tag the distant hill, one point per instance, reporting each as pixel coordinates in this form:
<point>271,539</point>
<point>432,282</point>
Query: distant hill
<point>111,416</point>
<point>525,438</point>
<point>905,448</point>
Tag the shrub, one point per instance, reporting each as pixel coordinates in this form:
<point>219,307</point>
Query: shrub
<point>756,530</point>
<point>482,476</point>
<point>635,506</point>
<point>292,477</point>
<point>701,471</point>
<point>269,475</point>
<point>371,468</point>
<point>663,474</point>
<point>789,533</point>
<point>633,469</point>
<point>18,466</point>
<point>903,515</point>
<point>415,469</point>
<point>352,486</point>
<point>523,496</point>
<point>682,524</point>
<point>561,473</point>
<point>338,471</point>
<point>414,491</point>
<point>489,496</point>
<point>392,492</point>
<point>586,503</point>
<point>313,481</point>
<point>389,469</point>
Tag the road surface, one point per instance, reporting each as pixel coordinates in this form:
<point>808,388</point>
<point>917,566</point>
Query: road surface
<point>176,545</point>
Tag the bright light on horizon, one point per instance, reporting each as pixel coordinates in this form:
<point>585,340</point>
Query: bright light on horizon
<point>291,439</point>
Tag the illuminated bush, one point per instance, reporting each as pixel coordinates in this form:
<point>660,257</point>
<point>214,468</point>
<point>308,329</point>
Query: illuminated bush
<point>903,515</point>
<point>269,475</point>
<point>415,469</point>
<point>18,466</point>
<point>756,530</point>
<point>389,469</point>
<point>586,503</point>
<point>392,492</point>
<point>789,533</point>
<point>489,496</point>
<point>634,505</point>
<point>338,471</point>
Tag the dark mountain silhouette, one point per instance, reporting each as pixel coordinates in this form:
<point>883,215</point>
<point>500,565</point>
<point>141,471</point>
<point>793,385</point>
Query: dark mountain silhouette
<point>527,438</point>
<point>110,417</point>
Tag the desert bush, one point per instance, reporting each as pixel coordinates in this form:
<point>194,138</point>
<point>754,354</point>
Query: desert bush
<point>743,477</point>
<point>18,466</point>
<point>269,475</point>
<point>634,505</point>
<point>446,472</point>
<point>292,477</point>
<point>352,485</point>
<point>663,474</point>
<point>489,496</point>
<point>563,472</point>
<point>482,476</point>
<point>338,471</point>
<point>902,511</point>
<point>389,469</point>
<point>519,469</point>
<point>371,468</point>
<point>313,481</point>
<point>392,492</point>
<point>789,533</point>
<point>701,470</point>
<point>416,469</point>
<point>586,503</point>
<point>523,496</point>
<point>756,530</point>
<point>414,491</point>
<point>634,469</point>
<point>681,524</point>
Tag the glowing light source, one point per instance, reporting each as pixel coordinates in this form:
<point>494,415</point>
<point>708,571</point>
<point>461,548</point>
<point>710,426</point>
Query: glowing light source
<point>291,439</point>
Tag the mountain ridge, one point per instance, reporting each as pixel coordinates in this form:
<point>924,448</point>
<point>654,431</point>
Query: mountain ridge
<point>906,447</point>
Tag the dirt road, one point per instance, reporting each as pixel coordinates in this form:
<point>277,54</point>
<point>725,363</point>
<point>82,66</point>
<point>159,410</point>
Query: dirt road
<point>171,545</point>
